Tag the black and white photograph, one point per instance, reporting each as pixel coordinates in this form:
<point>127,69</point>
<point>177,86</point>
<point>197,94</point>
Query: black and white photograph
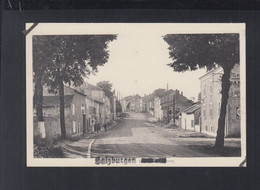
<point>136,94</point>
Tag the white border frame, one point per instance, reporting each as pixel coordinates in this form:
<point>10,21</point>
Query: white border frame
<point>115,28</point>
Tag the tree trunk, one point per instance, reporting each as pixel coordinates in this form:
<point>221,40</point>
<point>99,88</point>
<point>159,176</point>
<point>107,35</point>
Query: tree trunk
<point>219,143</point>
<point>62,117</point>
<point>38,98</point>
<point>37,102</point>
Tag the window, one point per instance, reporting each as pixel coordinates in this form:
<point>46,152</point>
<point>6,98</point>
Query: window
<point>73,126</point>
<point>73,109</point>
<point>211,90</point>
<point>192,123</point>
<point>78,127</point>
<point>210,112</point>
<point>204,113</point>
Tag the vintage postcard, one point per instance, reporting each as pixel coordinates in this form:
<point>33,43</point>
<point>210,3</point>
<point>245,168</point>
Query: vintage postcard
<point>136,94</point>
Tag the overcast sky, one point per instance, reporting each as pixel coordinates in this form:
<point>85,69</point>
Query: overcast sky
<point>139,57</point>
<point>138,65</point>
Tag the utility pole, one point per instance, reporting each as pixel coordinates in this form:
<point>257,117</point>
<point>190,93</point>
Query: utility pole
<point>174,99</point>
<point>168,106</point>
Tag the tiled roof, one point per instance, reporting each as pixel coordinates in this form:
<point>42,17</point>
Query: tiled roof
<point>49,101</point>
<point>91,86</point>
<point>192,109</point>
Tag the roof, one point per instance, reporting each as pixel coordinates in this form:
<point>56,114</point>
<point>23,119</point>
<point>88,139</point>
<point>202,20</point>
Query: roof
<point>91,86</point>
<point>49,101</point>
<point>97,100</point>
<point>211,71</point>
<point>148,98</point>
<point>167,92</point>
<point>192,109</point>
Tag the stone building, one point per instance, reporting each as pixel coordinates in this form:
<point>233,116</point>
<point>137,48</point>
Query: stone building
<point>77,108</point>
<point>211,102</point>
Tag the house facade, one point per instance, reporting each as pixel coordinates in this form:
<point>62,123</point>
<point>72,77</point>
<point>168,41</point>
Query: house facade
<point>83,108</point>
<point>190,118</point>
<point>101,101</point>
<point>75,119</point>
<point>211,102</point>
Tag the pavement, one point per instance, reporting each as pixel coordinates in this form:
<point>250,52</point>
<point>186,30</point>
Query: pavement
<point>136,136</point>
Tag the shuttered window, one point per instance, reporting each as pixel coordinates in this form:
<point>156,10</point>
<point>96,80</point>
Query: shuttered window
<point>74,126</point>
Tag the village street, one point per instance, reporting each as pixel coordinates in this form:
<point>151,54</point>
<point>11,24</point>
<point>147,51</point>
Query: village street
<point>135,136</point>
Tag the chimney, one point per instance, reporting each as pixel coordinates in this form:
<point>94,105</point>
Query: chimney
<point>181,93</point>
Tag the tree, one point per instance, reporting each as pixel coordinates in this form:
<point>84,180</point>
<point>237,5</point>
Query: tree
<point>106,86</point>
<point>66,59</point>
<point>41,60</point>
<point>193,51</point>
<point>118,107</point>
<point>158,92</point>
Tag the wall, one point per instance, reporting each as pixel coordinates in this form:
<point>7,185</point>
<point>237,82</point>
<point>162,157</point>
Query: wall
<point>211,102</point>
<point>188,118</point>
<point>77,117</point>
<point>52,122</point>
<point>52,118</point>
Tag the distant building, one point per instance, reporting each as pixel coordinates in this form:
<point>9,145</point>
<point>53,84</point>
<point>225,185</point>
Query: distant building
<point>113,106</point>
<point>211,102</point>
<point>147,103</point>
<point>132,103</point>
<point>190,118</point>
<point>158,112</point>
<point>172,103</point>
<point>103,102</point>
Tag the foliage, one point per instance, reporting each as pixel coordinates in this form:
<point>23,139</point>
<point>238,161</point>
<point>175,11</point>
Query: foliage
<point>65,59</point>
<point>193,51</point>
<point>47,148</point>
<point>107,88</point>
<point>69,58</point>
<point>118,107</point>
<point>158,92</point>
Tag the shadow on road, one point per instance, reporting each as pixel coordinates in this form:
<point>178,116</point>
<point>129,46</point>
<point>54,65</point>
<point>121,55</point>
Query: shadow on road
<point>161,150</point>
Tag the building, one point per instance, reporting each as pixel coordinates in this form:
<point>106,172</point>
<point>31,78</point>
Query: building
<point>84,106</point>
<point>158,112</point>
<point>211,102</point>
<point>102,101</point>
<point>132,103</point>
<point>172,103</point>
<point>75,118</point>
<point>190,118</point>
<point>147,103</point>
<point>113,106</point>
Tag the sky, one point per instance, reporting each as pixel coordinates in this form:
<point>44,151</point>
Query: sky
<point>139,56</point>
<point>138,65</point>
